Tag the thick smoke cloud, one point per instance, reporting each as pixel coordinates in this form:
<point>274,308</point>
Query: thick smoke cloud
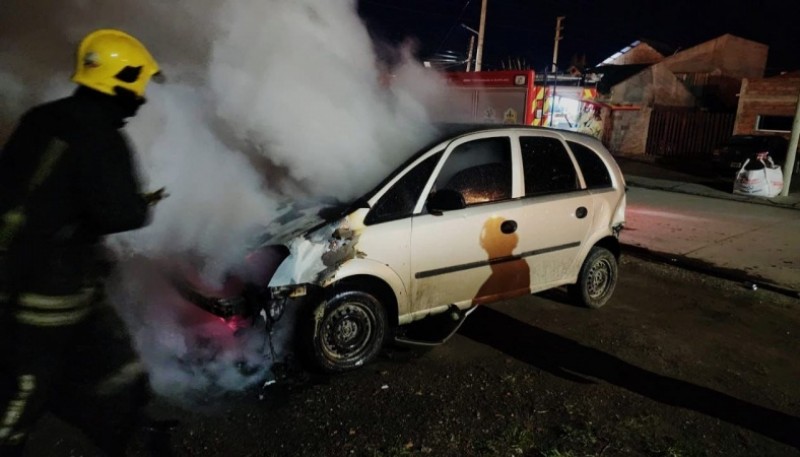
<point>330,107</point>
<point>265,100</point>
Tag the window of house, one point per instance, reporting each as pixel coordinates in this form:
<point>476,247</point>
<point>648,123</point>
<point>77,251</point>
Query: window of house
<point>769,123</point>
<point>400,200</point>
<point>594,170</point>
<point>547,166</point>
<point>480,170</point>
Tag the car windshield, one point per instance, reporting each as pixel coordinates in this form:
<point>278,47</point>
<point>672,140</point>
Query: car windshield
<point>331,209</point>
<point>442,133</point>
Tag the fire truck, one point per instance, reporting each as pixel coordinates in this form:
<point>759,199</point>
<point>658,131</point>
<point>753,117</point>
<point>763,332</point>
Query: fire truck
<point>521,97</point>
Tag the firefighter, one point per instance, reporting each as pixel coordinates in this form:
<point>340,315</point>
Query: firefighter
<point>67,179</point>
<point>591,120</point>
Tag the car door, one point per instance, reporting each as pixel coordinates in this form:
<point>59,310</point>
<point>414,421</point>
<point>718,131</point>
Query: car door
<point>386,235</point>
<point>558,210</point>
<point>462,256</point>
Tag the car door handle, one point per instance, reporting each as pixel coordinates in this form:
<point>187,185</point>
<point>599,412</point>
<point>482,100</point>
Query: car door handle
<point>581,212</point>
<point>508,227</point>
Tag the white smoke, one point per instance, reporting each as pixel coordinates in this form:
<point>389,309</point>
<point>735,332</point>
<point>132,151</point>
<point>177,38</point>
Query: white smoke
<point>265,99</point>
<point>13,94</point>
<point>217,200</point>
<point>330,108</point>
<point>191,356</point>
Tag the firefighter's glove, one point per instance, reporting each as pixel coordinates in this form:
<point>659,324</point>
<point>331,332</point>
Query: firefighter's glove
<point>156,196</point>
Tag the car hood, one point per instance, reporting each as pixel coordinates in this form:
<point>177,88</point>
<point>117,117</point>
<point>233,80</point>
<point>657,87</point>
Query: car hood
<point>317,236</point>
<point>298,217</point>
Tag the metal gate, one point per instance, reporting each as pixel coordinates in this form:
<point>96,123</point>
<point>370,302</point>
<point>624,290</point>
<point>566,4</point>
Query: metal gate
<point>681,132</point>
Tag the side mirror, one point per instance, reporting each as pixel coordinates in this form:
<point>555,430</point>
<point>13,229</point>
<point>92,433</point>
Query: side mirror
<point>445,200</point>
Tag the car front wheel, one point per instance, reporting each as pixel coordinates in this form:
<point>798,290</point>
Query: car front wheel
<point>596,280</point>
<point>349,329</point>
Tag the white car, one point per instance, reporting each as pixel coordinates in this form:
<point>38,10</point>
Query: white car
<point>486,213</point>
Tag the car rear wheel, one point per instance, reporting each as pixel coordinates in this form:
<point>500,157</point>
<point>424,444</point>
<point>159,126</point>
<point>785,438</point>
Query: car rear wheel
<point>596,280</point>
<point>349,330</point>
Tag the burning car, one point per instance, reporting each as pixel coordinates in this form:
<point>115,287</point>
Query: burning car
<point>485,213</point>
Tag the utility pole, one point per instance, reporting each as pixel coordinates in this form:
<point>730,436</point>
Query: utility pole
<point>481,33</point>
<point>559,28</point>
<point>791,154</point>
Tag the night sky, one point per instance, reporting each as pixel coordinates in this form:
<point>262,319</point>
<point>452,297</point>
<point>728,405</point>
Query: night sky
<point>525,29</point>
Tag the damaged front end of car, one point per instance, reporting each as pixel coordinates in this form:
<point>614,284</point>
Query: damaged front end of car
<point>303,245</point>
<point>269,303</point>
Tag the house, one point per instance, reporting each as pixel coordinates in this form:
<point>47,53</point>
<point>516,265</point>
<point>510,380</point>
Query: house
<point>641,79</point>
<point>767,105</point>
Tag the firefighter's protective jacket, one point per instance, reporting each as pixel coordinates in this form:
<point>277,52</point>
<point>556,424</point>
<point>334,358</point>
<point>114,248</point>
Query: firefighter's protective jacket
<point>66,178</point>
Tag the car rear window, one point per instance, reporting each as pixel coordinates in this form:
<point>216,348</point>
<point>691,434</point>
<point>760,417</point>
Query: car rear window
<point>548,168</point>
<point>594,170</point>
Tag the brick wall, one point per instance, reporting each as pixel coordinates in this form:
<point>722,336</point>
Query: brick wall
<point>655,85</point>
<point>629,131</point>
<point>765,96</point>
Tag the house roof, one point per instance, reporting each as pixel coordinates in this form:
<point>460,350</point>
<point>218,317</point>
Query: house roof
<point>615,74</point>
<point>721,55</point>
<point>788,74</point>
<point>660,48</point>
<point>701,58</point>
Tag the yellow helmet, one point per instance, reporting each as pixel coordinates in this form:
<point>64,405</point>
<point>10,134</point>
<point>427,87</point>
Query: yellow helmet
<point>109,58</point>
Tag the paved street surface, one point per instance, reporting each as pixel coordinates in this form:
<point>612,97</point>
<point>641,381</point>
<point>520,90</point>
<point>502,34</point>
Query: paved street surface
<point>759,240</point>
<point>677,364</point>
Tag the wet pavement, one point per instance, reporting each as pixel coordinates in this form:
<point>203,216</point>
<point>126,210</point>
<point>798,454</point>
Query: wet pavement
<point>689,219</point>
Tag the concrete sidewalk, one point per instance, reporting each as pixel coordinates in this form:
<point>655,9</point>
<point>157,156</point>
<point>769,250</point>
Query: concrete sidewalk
<point>792,201</point>
<point>698,225</point>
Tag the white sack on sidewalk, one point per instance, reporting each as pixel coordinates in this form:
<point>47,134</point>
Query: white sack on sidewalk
<point>764,182</point>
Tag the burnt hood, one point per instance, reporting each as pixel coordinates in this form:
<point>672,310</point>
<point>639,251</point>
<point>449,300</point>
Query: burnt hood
<point>297,217</point>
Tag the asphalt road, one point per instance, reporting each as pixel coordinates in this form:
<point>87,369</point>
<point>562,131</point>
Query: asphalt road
<point>676,364</point>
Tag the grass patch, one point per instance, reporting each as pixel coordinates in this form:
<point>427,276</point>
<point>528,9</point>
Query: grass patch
<point>557,453</point>
<point>514,440</point>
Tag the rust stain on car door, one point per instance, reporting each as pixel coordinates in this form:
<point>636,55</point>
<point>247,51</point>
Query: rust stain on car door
<point>510,275</point>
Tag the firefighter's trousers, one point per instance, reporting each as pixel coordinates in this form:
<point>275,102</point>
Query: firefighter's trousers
<point>68,355</point>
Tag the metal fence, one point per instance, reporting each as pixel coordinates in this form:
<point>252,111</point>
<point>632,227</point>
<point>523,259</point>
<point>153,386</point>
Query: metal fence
<point>680,132</point>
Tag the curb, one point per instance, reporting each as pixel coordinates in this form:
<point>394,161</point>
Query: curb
<point>699,266</point>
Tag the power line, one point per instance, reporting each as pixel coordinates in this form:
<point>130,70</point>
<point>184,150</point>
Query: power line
<point>458,21</point>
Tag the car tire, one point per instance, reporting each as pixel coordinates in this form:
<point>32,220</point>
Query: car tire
<point>348,330</point>
<point>596,280</point>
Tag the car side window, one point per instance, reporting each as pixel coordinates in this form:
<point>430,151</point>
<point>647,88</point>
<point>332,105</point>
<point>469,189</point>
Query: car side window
<point>399,201</point>
<point>480,170</point>
<point>547,166</point>
<point>594,170</point>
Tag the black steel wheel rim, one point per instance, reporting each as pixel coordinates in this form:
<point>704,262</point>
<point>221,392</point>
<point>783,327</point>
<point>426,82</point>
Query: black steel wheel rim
<point>599,279</point>
<point>347,332</point>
